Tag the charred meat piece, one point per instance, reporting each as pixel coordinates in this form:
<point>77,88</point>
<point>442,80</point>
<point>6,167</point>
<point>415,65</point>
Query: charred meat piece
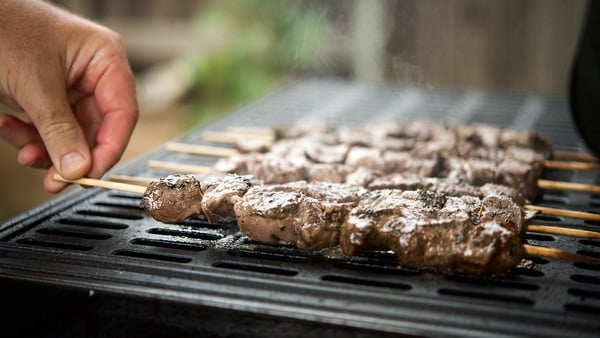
<point>430,230</point>
<point>252,145</point>
<point>328,172</point>
<point>325,191</point>
<point>325,153</point>
<point>217,203</point>
<point>173,198</point>
<point>447,186</point>
<point>512,173</point>
<point>288,215</point>
<point>363,157</point>
<point>269,168</point>
<point>404,162</point>
<point>362,177</point>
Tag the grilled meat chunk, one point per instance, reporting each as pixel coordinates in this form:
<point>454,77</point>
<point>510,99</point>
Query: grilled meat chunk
<point>292,215</point>
<point>269,168</point>
<point>173,198</point>
<point>252,145</point>
<point>217,203</point>
<point>430,230</point>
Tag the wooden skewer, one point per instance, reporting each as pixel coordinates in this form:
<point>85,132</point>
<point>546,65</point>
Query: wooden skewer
<point>559,254</point>
<point>570,165</point>
<point>91,182</point>
<point>232,138</point>
<point>552,230</point>
<point>142,181</point>
<point>180,168</point>
<point>574,156</point>
<point>197,149</point>
<point>570,186</point>
<point>588,216</point>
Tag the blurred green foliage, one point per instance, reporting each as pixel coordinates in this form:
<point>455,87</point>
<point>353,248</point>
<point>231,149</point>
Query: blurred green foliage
<point>263,43</point>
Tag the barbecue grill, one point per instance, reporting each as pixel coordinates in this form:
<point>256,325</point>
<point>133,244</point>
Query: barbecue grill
<point>92,263</point>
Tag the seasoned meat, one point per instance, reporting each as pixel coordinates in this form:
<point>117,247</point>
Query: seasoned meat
<point>217,203</point>
<point>363,157</point>
<point>362,177</point>
<point>282,215</point>
<point>325,153</point>
<point>520,176</point>
<point>447,186</point>
<point>268,168</point>
<point>325,191</point>
<point>328,173</point>
<point>173,198</point>
<point>252,145</point>
<point>430,230</point>
<point>404,162</point>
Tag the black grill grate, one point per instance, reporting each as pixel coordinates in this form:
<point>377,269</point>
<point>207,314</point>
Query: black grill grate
<point>101,242</point>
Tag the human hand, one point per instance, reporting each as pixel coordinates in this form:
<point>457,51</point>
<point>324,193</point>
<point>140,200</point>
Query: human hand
<point>72,80</point>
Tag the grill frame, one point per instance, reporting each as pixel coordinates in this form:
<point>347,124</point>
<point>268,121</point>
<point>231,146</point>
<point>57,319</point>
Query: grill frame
<point>196,272</point>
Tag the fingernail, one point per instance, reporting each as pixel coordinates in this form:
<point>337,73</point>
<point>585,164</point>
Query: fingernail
<point>70,162</point>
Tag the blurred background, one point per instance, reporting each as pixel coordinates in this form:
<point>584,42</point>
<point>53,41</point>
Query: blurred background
<point>196,60</point>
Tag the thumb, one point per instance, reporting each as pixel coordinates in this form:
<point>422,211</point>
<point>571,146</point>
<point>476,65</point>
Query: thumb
<point>60,131</point>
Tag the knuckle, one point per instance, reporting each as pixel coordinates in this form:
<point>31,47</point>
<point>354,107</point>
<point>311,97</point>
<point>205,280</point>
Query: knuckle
<point>51,123</point>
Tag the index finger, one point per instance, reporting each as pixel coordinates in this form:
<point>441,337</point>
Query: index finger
<point>116,99</point>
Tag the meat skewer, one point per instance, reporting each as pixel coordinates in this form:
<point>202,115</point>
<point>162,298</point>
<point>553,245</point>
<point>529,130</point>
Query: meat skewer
<point>367,177</point>
<point>360,220</point>
<point>478,135</point>
<point>235,133</point>
<point>429,183</point>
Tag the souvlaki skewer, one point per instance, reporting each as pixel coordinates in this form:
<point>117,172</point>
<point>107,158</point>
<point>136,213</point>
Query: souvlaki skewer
<point>426,229</point>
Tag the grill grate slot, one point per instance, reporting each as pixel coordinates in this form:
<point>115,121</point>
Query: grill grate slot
<point>590,242</point>
<point>169,244</point>
<point>378,268</point>
<point>86,222</point>
<point>486,296</point>
<point>546,218</point>
<point>153,256</point>
<point>586,266</point>
<point>583,309</point>
<point>72,233</point>
<point>501,283</point>
<point>110,214</point>
<point>276,256</point>
<point>583,294</point>
<point>255,268</point>
<point>539,237</point>
<point>55,244</point>
<point>587,279</point>
<point>366,282</point>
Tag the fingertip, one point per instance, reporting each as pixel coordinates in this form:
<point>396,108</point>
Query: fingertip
<point>74,165</point>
